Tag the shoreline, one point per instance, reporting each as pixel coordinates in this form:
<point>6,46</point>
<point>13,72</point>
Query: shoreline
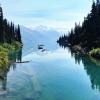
<point>6,52</point>
<point>79,49</point>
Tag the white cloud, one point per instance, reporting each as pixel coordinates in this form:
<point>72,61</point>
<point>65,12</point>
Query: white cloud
<point>60,14</point>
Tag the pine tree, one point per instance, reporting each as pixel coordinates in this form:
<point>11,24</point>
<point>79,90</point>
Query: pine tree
<point>1,25</point>
<point>5,30</point>
<point>19,34</point>
<point>87,35</point>
<point>8,32</point>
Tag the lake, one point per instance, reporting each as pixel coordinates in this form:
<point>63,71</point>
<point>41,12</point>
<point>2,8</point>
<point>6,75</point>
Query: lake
<point>57,74</point>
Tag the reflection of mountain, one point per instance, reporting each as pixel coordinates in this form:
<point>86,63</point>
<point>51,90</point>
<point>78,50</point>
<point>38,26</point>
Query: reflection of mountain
<point>39,35</point>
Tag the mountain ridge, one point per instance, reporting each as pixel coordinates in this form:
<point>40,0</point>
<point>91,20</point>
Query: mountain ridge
<point>32,37</point>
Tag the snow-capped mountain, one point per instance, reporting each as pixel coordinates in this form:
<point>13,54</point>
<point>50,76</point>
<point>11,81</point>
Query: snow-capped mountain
<point>41,28</point>
<point>40,35</point>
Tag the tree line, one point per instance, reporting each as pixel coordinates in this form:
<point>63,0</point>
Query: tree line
<point>87,35</point>
<point>8,31</point>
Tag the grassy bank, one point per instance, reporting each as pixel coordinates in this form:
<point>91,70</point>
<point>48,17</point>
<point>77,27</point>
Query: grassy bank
<point>95,53</point>
<point>6,49</point>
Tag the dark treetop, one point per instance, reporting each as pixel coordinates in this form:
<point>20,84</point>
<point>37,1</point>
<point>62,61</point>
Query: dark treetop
<point>86,35</point>
<point>8,31</point>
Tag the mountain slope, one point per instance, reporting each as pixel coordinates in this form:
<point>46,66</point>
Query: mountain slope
<point>32,38</point>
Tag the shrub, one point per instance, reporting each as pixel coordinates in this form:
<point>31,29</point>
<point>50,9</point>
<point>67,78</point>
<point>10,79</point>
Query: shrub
<point>16,45</point>
<point>95,53</point>
<point>3,49</point>
<point>7,52</point>
<point>3,58</point>
<point>8,46</point>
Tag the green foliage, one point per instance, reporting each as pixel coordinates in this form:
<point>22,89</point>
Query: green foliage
<point>10,39</point>
<point>3,58</point>
<point>3,49</point>
<point>7,50</point>
<point>8,46</point>
<point>16,45</point>
<point>95,53</point>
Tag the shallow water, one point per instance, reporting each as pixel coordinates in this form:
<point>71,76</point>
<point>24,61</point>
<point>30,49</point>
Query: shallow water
<point>52,75</point>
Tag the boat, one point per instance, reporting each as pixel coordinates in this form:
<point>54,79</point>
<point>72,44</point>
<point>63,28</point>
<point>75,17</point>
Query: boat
<point>40,46</point>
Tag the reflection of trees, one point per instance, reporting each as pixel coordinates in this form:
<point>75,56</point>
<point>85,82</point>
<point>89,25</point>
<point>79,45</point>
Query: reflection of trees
<point>63,45</point>
<point>13,57</point>
<point>3,76</point>
<point>92,69</point>
<point>19,55</point>
<point>5,69</point>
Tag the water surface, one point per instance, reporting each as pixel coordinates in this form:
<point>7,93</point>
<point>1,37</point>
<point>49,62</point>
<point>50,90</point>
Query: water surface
<point>52,75</point>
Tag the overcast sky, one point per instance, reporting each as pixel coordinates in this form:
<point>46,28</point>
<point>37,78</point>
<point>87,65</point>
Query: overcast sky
<point>53,13</point>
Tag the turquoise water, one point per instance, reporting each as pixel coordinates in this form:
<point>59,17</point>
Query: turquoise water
<point>52,75</point>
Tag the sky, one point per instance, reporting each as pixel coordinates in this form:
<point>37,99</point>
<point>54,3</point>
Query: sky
<point>59,14</point>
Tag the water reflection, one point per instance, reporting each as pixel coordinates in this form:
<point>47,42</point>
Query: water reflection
<point>13,57</point>
<point>91,66</point>
<point>19,55</point>
<point>3,77</point>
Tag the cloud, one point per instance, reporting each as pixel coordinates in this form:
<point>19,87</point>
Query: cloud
<point>55,13</point>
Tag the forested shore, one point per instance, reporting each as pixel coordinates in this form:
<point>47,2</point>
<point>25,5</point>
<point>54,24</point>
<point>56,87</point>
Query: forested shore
<point>85,37</point>
<point>10,39</point>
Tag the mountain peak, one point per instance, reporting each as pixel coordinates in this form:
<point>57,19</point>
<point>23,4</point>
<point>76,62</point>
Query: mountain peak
<point>40,28</point>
